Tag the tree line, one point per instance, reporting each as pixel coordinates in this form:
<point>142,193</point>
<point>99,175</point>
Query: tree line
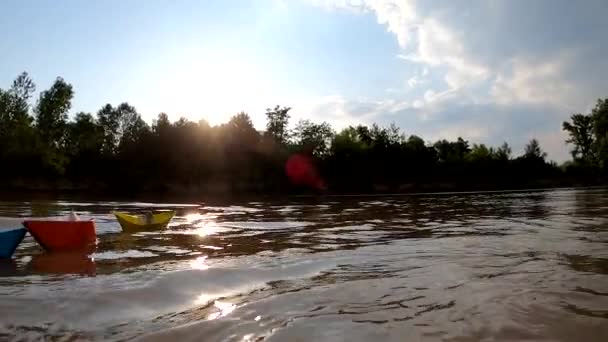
<point>115,150</point>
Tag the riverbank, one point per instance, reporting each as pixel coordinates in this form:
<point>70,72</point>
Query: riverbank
<point>225,191</point>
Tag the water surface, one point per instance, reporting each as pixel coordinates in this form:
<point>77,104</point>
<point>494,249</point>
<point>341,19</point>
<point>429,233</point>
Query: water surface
<point>454,267</point>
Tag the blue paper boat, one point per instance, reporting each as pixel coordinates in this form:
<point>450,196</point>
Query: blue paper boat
<point>9,240</point>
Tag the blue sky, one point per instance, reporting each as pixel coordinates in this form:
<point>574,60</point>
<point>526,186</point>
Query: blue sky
<point>489,71</point>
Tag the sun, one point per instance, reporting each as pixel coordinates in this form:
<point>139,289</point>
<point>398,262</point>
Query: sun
<point>213,88</point>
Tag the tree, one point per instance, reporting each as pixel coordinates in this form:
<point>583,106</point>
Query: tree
<point>23,87</point>
<point>84,135</point>
<point>276,126</point>
<point>117,149</point>
<point>600,131</point>
<point>580,131</point>
<point>480,153</point>
<point>461,148</point>
<point>14,108</point>
<point>416,143</point>
<point>241,131</point>
<point>161,124</point>
<point>314,137</point>
<point>84,144</point>
<point>52,112</point>
<point>452,151</point>
<point>503,152</point>
<point>51,122</point>
<point>533,151</point>
<point>108,119</point>
<point>21,91</point>
<point>132,128</point>
<point>17,137</point>
<point>121,125</point>
<point>364,134</point>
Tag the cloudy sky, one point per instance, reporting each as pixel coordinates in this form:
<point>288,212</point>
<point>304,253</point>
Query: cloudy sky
<point>487,70</point>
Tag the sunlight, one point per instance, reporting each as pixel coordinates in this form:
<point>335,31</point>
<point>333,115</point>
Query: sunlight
<point>224,308</point>
<point>208,228</point>
<point>213,87</point>
<point>247,338</point>
<point>199,263</point>
<point>203,224</point>
<point>194,218</point>
<point>203,299</point>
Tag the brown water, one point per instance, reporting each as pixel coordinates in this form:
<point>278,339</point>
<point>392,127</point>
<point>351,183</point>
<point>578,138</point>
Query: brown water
<point>470,267</point>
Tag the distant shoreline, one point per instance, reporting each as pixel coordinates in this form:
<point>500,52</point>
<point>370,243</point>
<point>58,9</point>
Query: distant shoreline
<point>224,193</point>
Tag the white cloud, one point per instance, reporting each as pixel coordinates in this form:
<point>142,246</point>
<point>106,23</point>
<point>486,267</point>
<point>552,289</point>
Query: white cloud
<point>429,95</point>
<point>523,65</point>
<point>413,81</point>
<point>466,131</point>
<point>341,112</point>
<point>478,40</point>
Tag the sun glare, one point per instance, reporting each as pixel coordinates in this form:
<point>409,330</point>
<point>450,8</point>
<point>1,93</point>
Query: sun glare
<point>213,88</point>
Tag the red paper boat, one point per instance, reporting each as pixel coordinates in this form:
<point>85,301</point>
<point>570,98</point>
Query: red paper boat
<point>63,235</point>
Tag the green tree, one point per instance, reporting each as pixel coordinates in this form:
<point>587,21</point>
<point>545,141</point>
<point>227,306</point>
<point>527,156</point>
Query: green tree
<point>580,130</point>
<point>452,151</point>
<point>108,119</point>
<point>84,144</point>
<point>364,134</point>
<point>241,131</point>
<point>533,151</point>
<point>503,152</point>
<point>239,140</point>
<point>17,136</point>
<point>14,103</point>
<point>121,125</point>
<point>161,124</point>
<point>132,129</point>
<point>84,135</point>
<point>600,131</point>
<point>51,122</point>
<point>480,153</point>
<point>14,108</point>
<point>346,141</point>
<point>314,137</point>
<point>276,125</point>
<point>52,112</point>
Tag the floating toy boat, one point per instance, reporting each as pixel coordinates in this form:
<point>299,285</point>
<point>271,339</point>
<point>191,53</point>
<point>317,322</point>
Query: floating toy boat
<point>9,240</point>
<point>137,223</point>
<point>62,235</point>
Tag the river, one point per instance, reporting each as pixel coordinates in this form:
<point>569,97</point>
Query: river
<point>520,266</point>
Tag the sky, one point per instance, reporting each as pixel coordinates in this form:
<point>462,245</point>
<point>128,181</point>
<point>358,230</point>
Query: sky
<point>487,70</point>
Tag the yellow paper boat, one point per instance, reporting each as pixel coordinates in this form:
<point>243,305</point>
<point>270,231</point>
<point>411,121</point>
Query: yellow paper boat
<point>137,223</point>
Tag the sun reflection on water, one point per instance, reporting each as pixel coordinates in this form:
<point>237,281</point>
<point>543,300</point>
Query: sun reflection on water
<point>207,228</point>
<point>203,299</point>
<point>224,309</point>
<point>199,263</point>
<point>203,224</point>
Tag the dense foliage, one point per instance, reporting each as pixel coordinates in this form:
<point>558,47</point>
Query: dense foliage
<point>116,150</point>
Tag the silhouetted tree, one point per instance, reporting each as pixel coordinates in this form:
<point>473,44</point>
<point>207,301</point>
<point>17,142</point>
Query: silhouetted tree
<point>600,131</point>
<point>276,126</point>
<point>533,151</point>
<point>316,137</point>
<point>84,145</point>
<point>18,140</point>
<point>118,150</point>
<point>503,152</point>
<point>51,122</point>
<point>581,136</point>
<point>452,151</point>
